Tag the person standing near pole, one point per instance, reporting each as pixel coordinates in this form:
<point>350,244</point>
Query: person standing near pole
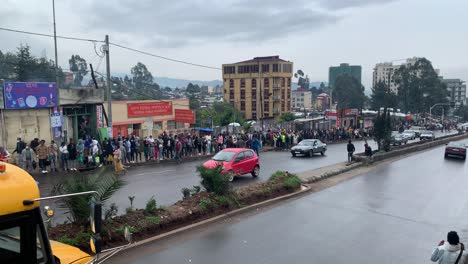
<point>351,150</point>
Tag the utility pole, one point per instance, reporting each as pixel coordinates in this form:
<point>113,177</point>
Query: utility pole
<point>260,91</point>
<point>109,90</point>
<point>57,86</point>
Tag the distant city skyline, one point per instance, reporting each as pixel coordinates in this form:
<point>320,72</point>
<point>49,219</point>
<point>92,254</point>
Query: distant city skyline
<point>314,35</point>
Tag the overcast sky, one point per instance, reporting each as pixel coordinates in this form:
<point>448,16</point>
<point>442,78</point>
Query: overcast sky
<point>314,34</point>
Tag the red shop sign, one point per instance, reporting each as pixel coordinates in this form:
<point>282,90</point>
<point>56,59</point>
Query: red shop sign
<point>184,116</point>
<point>149,109</point>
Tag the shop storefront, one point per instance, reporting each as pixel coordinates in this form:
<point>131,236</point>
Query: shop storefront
<point>151,117</point>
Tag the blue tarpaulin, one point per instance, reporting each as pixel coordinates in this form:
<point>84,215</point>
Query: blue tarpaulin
<point>204,129</point>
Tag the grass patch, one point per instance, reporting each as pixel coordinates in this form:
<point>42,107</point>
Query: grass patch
<point>206,204</point>
<point>292,182</point>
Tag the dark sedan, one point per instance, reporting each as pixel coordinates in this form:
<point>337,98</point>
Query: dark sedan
<point>309,147</point>
<point>455,149</point>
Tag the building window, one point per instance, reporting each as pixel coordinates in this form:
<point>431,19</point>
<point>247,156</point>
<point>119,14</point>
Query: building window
<point>254,94</point>
<point>289,82</point>
<point>254,115</point>
<point>276,67</point>
<point>247,68</point>
<point>266,107</point>
<point>242,94</point>
<point>287,68</point>
<point>242,83</point>
<point>229,69</point>
<point>180,125</point>
<point>231,95</point>
<point>283,105</point>
<point>266,95</point>
<point>283,95</point>
<point>171,124</point>
<point>283,82</point>
<point>265,67</point>
<point>254,106</point>
<point>254,83</point>
<point>231,83</point>
<point>266,83</point>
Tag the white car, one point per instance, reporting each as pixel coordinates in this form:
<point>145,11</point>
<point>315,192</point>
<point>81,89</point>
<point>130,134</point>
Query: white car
<point>410,134</point>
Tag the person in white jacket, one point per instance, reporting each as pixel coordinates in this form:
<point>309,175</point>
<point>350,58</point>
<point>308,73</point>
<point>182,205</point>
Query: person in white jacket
<point>450,252</point>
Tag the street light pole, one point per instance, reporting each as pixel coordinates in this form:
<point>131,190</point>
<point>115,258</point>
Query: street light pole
<point>109,90</point>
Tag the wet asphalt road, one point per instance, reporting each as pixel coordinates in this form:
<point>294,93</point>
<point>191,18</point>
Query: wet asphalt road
<point>165,181</point>
<point>396,213</point>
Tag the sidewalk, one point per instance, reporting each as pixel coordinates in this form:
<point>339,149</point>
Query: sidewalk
<point>38,174</point>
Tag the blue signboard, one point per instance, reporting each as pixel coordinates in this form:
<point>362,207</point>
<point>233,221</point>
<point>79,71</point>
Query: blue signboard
<point>27,95</point>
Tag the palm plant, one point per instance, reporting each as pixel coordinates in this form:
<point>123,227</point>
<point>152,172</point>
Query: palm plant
<point>105,184</point>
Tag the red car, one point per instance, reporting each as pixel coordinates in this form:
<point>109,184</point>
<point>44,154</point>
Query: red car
<point>455,149</point>
<point>235,162</point>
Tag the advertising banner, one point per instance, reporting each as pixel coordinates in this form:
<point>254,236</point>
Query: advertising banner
<point>99,121</point>
<point>29,95</point>
<point>149,109</point>
<point>184,116</point>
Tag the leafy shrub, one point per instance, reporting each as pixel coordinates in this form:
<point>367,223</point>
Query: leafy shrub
<point>213,180</point>
<point>151,205</point>
<point>276,175</point>
<point>196,189</point>
<point>186,192</point>
<point>205,204</point>
<point>111,212</point>
<point>104,182</point>
<point>80,238</point>
<point>154,219</point>
<point>223,200</point>
<point>121,229</point>
<point>292,182</point>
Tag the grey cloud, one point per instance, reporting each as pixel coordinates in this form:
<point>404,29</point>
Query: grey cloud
<point>342,4</point>
<point>176,23</point>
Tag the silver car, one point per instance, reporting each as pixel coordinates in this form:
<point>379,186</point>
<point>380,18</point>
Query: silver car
<point>308,147</point>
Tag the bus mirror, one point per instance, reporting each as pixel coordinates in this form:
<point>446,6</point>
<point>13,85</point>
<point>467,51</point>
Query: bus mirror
<point>95,217</point>
<point>95,243</point>
<point>49,212</point>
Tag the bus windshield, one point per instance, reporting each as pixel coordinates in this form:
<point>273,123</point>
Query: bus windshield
<point>11,245</point>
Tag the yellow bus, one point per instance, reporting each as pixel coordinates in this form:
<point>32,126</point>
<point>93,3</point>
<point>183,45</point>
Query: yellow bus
<point>23,236</point>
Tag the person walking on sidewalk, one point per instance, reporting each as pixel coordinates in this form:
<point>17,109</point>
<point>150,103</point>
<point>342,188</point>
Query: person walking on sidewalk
<point>351,150</point>
<point>72,154</point>
<point>20,145</point>
<point>42,155</point>
<point>451,251</point>
<point>64,156</point>
<point>29,156</point>
<point>178,150</point>
<point>53,156</point>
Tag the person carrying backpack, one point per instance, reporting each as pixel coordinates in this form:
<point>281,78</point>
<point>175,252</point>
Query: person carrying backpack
<point>450,252</point>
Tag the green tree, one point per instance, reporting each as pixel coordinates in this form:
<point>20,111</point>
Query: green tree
<point>348,92</point>
<point>462,111</point>
<point>383,130</point>
<point>193,88</point>
<point>142,85</point>
<point>303,81</point>
<point>25,63</point>
<point>221,113</point>
<point>287,117</point>
<point>419,87</point>
<point>382,96</point>
<point>79,67</point>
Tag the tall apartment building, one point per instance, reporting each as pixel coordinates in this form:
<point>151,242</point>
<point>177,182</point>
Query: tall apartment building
<point>457,90</point>
<point>344,68</point>
<point>259,88</point>
<point>301,98</point>
<point>385,71</point>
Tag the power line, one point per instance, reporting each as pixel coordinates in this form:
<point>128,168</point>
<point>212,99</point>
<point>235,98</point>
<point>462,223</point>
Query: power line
<point>48,35</point>
<point>165,58</point>
<point>115,44</point>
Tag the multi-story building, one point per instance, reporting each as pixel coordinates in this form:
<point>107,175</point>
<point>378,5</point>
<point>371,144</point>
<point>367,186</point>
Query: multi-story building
<point>301,98</point>
<point>457,90</point>
<point>259,88</point>
<point>385,71</point>
<point>344,68</point>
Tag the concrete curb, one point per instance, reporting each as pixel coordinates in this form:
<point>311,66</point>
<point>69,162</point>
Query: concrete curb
<point>219,218</point>
<point>326,172</point>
